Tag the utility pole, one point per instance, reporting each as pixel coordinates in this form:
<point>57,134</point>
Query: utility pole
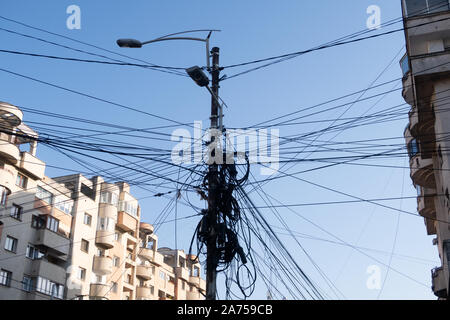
<point>213,183</point>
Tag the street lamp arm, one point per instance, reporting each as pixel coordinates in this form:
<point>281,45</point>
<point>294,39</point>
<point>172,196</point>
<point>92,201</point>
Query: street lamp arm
<point>174,38</point>
<point>189,31</point>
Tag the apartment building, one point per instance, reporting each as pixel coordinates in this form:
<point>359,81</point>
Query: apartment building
<point>426,87</point>
<point>74,237</point>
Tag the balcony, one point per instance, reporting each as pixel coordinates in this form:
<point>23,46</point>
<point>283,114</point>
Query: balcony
<point>10,115</point>
<point>106,210</point>
<point>32,165</point>
<point>431,226</point>
<point>193,295</point>
<point>146,228</point>
<point>45,269</point>
<point>129,287</point>
<point>425,203</point>
<point>413,121</point>
<point>143,293</point>
<point>408,90</point>
<point>422,172</point>
<point>9,152</point>
<point>146,253</point>
<point>54,242</point>
<point>105,239</point>
<point>170,288</point>
<point>102,265</point>
<point>130,260</point>
<point>99,290</point>
<point>158,258</point>
<point>194,280</point>
<point>144,272</point>
<point>182,273</point>
<point>439,284</point>
<point>126,222</point>
<point>431,63</point>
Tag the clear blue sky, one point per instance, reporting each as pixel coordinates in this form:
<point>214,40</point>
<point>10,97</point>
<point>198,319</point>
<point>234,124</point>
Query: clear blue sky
<point>250,30</point>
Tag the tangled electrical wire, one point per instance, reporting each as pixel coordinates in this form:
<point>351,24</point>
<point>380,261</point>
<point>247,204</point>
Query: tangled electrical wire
<point>231,257</point>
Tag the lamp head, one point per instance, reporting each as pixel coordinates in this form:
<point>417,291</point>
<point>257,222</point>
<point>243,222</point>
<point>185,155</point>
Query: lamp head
<point>129,43</point>
<point>196,73</point>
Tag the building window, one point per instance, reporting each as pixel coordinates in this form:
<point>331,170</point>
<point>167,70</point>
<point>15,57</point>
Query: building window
<point>162,275</point>
<point>114,287</point>
<point>16,212</point>
<point>196,272</point>
<point>183,285</point>
<point>87,219</point>
<point>106,224</point>
<point>64,204</point>
<point>128,279</point>
<point>101,253</point>
<point>152,290</point>
<point>84,245</point>
<point>11,244</point>
<point>52,224</point>
<point>110,198</point>
<point>44,195</point>
<point>128,207</point>
<point>50,288</point>
<point>81,274</point>
<point>117,236</point>
<point>5,278</point>
<point>99,279</point>
<point>4,192</point>
<point>37,222</point>
<point>27,284</point>
<point>33,253</point>
<point>21,181</point>
<point>413,148</point>
<point>420,7</point>
<point>116,261</point>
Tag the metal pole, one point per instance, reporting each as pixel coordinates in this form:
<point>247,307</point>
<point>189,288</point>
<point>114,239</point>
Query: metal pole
<point>212,258</point>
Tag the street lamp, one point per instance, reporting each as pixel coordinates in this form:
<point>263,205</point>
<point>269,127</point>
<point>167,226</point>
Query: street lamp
<point>133,43</point>
<point>196,73</point>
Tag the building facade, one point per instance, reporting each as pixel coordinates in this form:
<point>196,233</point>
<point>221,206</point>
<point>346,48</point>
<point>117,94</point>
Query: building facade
<point>426,87</point>
<point>72,237</point>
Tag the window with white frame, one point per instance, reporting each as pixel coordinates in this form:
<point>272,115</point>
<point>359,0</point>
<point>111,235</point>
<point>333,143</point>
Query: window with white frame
<point>52,224</point>
<point>81,274</point>
<point>21,181</point>
<point>11,244</point>
<point>33,253</point>
<point>44,195</point>
<point>106,224</point>
<point>49,288</point>
<point>27,284</point>
<point>87,219</point>
<point>16,212</point>
<point>129,207</point>
<point>109,197</point>
<point>5,277</point>
<point>63,204</point>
